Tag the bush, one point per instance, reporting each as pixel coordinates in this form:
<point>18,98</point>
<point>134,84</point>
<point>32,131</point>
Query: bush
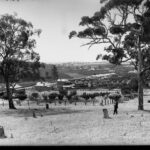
<point>45,97</point>
<point>73,93</point>
<point>35,95</point>
<point>52,96</point>
<point>92,96</point>
<point>104,94</point>
<point>85,96</point>
<point>75,99</point>
<point>60,97</point>
<point>5,97</point>
<point>96,94</point>
<point>21,97</point>
<point>115,96</point>
<point>63,91</point>
<point>69,96</point>
<point>125,89</point>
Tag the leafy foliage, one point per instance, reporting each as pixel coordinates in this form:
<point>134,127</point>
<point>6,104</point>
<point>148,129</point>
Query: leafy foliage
<point>35,95</point>
<point>112,25</point>
<point>52,96</point>
<point>126,35</point>
<point>62,91</point>
<point>16,49</point>
<point>115,96</point>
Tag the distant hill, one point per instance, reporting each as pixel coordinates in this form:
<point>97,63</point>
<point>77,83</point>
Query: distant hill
<point>79,69</point>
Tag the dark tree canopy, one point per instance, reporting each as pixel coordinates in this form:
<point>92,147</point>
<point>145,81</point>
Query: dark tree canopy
<point>117,25</point>
<point>16,49</point>
<point>123,26</point>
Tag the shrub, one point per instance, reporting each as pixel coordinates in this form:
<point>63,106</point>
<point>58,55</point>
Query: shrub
<point>60,97</point>
<point>92,96</point>
<point>104,94</point>
<point>69,96</point>
<point>115,96</point>
<point>96,94</point>
<point>45,97</point>
<point>75,99</point>
<point>63,91</point>
<point>85,96</point>
<point>35,95</point>
<point>22,97</point>
<point>74,92</point>
<point>125,89</point>
<point>52,96</point>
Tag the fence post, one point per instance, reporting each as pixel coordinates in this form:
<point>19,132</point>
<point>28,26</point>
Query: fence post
<point>65,102</point>
<point>47,106</point>
<point>75,103</point>
<point>105,102</point>
<point>29,103</point>
<point>105,113</point>
<point>2,133</point>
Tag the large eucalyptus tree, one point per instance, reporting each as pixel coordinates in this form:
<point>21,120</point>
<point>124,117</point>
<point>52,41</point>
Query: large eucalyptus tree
<point>123,26</point>
<point>16,50</point>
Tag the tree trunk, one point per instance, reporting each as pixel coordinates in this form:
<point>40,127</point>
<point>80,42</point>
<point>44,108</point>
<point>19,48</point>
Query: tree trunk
<point>9,95</point>
<point>105,102</point>
<point>140,95</point>
<point>140,83</point>
<point>47,106</point>
<point>2,133</point>
<point>65,102</point>
<point>75,103</point>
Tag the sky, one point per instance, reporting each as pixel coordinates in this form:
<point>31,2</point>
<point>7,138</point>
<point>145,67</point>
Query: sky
<point>56,18</point>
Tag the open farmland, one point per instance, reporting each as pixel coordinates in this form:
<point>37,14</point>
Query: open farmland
<point>75,125</point>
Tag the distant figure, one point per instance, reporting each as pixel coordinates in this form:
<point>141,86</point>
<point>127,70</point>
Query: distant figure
<point>115,107</point>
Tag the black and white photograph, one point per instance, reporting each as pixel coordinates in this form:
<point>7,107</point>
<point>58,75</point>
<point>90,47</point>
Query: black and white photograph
<point>74,72</point>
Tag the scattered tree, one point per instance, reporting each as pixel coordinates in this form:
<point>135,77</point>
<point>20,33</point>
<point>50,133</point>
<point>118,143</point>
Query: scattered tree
<point>52,96</point>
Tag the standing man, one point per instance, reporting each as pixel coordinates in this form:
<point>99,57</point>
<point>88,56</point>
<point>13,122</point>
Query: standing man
<point>116,107</point>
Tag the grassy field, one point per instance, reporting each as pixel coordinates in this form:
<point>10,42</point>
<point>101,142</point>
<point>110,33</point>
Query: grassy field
<point>75,125</point>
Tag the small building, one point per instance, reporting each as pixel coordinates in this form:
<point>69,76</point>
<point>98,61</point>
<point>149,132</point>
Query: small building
<point>63,83</point>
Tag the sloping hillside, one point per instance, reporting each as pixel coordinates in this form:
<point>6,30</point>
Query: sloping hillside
<point>70,70</point>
